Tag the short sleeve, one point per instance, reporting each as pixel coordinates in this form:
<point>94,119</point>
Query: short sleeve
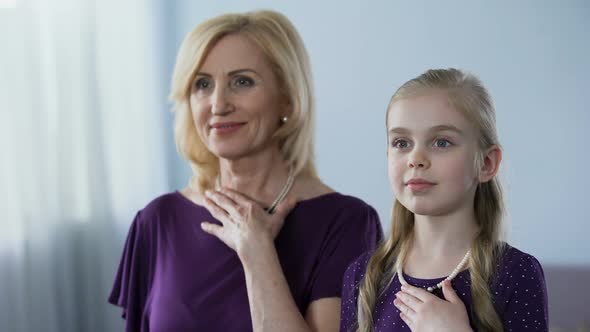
<point>133,279</point>
<point>350,290</point>
<point>523,296</point>
<point>357,232</point>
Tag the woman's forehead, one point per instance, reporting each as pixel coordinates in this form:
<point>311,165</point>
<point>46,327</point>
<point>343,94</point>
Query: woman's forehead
<point>235,52</point>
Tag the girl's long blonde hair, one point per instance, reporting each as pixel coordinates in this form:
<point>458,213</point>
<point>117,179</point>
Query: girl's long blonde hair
<point>468,95</point>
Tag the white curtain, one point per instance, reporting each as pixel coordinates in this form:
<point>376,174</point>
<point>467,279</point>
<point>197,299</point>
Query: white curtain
<point>81,149</point>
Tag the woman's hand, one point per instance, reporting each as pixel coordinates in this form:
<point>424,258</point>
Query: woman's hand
<point>246,227</point>
<point>423,311</point>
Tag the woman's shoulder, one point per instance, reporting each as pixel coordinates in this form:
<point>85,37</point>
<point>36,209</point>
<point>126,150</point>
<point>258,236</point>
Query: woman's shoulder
<point>314,195</point>
<point>337,200</point>
<point>342,215</point>
<point>162,203</point>
<point>171,204</point>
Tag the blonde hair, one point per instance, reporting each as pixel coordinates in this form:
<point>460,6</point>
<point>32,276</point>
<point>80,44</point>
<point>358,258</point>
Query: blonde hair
<point>279,41</point>
<point>468,95</point>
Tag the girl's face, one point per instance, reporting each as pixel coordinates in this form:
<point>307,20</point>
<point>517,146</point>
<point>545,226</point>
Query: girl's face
<point>431,155</point>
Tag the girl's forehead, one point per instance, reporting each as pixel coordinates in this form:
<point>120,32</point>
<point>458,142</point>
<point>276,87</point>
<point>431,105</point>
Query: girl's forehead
<point>424,112</point>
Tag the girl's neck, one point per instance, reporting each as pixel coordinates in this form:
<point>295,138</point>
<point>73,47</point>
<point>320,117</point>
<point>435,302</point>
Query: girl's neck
<point>444,236</point>
<point>439,243</point>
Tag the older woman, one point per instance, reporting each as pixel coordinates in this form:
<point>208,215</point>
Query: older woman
<point>255,241</point>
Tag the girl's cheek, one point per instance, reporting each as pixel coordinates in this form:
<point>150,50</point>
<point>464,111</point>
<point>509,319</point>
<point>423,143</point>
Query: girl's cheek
<point>394,174</point>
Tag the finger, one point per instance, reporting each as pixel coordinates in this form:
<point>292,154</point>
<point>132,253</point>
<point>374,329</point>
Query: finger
<point>213,229</point>
<point>418,293</point>
<point>224,202</point>
<point>403,308</point>
<point>407,320</point>
<point>217,231</point>
<point>217,212</point>
<point>237,197</point>
<point>449,292</point>
<point>409,300</point>
<point>247,205</point>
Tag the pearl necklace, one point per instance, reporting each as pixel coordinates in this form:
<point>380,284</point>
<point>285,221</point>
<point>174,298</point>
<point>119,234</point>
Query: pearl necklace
<point>451,276</point>
<point>281,196</point>
<point>284,192</point>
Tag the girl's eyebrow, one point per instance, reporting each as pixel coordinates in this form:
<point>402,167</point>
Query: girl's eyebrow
<point>447,127</point>
<point>444,127</point>
<point>399,130</point>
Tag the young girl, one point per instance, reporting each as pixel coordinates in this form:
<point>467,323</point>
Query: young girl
<point>443,159</point>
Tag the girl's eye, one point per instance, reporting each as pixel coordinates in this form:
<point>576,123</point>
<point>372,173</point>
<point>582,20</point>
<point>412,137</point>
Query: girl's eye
<point>442,143</point>
<point>243,81</point>
<point>202,83</point>
<point>400,144</point>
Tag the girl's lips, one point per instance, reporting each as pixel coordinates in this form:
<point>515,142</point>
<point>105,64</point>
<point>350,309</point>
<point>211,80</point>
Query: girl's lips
<point>419,186</point>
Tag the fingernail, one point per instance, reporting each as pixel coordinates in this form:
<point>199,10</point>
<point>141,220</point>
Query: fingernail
<point>208,193</point>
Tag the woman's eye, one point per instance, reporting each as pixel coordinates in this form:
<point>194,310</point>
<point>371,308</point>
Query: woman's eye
<point>202,83</point>
<point>442,143</point>
<point>243,81</point>
<point>400,144</point>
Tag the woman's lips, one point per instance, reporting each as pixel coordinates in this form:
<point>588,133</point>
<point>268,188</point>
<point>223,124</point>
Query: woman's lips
<point>226,127</point>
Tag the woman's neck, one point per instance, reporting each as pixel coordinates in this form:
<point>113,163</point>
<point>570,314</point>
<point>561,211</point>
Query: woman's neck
<point>260,177</point>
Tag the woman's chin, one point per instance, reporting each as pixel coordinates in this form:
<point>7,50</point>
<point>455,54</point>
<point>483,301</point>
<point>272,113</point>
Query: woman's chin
<point>230,152</point>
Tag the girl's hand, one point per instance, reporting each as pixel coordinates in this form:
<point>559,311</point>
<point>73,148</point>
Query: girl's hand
<point>424,312</point>
<point>246,227</point>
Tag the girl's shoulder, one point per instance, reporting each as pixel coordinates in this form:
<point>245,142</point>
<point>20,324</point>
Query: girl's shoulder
<point>518,271</point>
<point>519,291</point>
<point>356,270</point>
<point>512,260</point>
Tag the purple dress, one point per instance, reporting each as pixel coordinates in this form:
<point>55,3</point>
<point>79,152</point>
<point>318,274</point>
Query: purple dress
<point>518,293</point>
<point>175,277</point>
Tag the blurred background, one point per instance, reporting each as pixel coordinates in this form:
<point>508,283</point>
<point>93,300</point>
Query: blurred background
<point>86,134</point>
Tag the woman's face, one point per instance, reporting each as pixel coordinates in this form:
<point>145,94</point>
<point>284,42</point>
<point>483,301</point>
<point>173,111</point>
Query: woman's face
<point>235,99</point>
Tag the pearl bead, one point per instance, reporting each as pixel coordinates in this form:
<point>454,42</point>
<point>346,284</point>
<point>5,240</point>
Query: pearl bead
<point>402,280</point>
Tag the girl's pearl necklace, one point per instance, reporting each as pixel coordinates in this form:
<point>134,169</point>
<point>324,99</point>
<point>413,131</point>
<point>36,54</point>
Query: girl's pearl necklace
<point>451,276</point>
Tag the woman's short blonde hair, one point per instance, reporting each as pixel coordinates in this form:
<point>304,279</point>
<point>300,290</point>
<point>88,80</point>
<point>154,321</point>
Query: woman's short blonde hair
<point>279,41</point>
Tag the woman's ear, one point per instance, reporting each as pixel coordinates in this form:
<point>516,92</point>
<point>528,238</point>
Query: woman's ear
<point>286,109</point>
<point>491,164</point>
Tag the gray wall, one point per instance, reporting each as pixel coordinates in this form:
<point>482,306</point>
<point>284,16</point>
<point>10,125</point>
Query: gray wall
<point>532,55</point>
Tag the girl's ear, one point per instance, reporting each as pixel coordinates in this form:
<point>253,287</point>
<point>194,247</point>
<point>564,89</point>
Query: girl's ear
<point>491,164</point>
